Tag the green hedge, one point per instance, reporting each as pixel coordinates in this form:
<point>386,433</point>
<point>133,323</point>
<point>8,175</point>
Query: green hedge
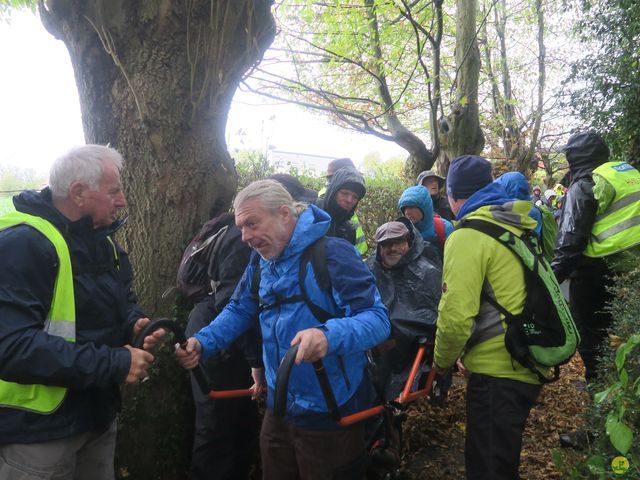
<point>614,416</point>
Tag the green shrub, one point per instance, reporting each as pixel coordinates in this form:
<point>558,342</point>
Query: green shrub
<point>614,416</point>
<point>380,204</point>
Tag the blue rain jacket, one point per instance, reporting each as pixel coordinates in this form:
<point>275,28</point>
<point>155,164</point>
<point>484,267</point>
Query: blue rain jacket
<point>361,320</point>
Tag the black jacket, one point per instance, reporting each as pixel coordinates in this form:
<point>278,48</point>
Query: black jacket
<point>411,291</point>
<point>584,152</point>
<point>341,226</point>
<point>441,207</point>
<point>226,270</point>
<point>106,309</point>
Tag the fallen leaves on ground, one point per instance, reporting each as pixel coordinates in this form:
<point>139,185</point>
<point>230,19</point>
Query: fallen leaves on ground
<point>434,436</point>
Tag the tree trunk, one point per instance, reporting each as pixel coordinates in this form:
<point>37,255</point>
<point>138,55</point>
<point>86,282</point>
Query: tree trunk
<point>527,161</point>
<point>460,131</point>
<point>156,80</point>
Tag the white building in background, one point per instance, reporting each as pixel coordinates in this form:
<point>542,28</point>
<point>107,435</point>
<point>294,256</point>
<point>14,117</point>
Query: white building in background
<point>315,165</point>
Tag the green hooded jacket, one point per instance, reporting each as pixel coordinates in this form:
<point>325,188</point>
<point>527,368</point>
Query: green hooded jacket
<point>469,328</point>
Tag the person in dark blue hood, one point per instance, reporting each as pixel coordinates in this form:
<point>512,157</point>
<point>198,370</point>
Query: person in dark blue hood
<point>517,186</point>
<point>415,203</point>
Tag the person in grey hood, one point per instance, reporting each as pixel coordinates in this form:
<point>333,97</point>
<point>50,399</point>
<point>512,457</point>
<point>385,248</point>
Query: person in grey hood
<point>340,201</point>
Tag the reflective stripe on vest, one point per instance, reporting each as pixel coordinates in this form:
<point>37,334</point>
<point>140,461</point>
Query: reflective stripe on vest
<point>361,240</point>
<point>60,321</point>
<point>618,227</point>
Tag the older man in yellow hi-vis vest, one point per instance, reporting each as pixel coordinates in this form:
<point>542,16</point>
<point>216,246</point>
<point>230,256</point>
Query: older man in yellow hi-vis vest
<point>598,236</point>
<point>67,316</point>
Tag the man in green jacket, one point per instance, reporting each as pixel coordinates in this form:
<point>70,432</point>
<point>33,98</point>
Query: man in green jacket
<point>500,391</point>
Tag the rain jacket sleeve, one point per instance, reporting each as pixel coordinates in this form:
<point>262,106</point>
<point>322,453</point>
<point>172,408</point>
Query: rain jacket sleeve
<point>577,220</point>
<point>234,258</point>
<point>460,301</point>
<point>27,353</point>
<point>236,318</point>
<point>366,322</point>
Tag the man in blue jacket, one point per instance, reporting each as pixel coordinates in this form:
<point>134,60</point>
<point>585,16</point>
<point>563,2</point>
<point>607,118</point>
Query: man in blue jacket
<point>306,443</point>
<point>67,315</point>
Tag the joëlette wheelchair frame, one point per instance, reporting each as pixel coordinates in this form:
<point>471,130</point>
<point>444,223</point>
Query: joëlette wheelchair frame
<point>404,398</point>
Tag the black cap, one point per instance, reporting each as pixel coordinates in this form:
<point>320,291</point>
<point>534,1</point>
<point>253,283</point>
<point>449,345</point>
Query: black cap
<point>337,164</point>
<point>295,188</point>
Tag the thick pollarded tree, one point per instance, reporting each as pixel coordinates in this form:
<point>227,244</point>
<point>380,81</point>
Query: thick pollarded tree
<point>156,80</point>
<point>460,131</point>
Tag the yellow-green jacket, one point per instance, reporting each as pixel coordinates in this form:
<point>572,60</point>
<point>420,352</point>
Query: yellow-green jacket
<point>468,328</point>
<point>616,228</point>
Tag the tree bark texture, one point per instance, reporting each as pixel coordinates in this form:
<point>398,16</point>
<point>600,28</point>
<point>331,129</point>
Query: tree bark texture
<point>156,80</point>
<point>460,131</point>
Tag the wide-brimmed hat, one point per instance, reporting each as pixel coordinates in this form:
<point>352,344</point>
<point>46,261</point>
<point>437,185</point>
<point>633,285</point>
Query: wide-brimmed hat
<point>428,174</point>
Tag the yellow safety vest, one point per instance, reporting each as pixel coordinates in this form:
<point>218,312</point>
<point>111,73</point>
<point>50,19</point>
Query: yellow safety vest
<point>60,321</point>
<point>618,227</point>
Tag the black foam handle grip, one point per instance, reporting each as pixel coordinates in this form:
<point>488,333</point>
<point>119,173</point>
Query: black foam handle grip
<point>179,335</point>
<point>282,385</point>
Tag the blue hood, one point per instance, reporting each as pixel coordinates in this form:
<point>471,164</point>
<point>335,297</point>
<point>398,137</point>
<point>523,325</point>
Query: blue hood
<point>492,194</point>
<point>418,196</point>
<point>312,224</point>
<point>517,186</point>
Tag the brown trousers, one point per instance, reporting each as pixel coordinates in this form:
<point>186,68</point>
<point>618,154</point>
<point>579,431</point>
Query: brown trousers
<point>293,453</point>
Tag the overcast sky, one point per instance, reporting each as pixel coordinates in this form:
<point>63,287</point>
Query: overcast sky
<point>40,116</point>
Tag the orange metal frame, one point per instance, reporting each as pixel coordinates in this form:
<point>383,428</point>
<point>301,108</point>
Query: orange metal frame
<point>405,397</point>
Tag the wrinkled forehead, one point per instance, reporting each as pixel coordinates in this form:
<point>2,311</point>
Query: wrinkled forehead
<point>252,210</point>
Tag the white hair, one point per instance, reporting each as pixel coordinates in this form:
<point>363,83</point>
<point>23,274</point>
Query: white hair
<point>83,163</point>
<point>271,194</point>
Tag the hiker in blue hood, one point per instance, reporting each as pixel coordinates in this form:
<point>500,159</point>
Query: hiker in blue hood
<point>517,186</point>
<point>415,203</point>
<point>306,442</point>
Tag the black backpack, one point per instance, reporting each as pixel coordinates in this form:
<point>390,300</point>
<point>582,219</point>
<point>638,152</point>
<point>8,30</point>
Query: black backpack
<point>544,333</point>
<point>194,277</point>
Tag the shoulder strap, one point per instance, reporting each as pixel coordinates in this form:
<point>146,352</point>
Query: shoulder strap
<point>508,239</point>
<point>316,254</point>
<point>438,224</point>
<point>255,278</point>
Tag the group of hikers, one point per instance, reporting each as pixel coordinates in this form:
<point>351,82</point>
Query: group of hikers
<point>289,268</point>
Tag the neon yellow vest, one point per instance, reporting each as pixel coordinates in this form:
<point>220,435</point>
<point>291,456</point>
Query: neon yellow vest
<point>61,320</point>
<point>618,227</point>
